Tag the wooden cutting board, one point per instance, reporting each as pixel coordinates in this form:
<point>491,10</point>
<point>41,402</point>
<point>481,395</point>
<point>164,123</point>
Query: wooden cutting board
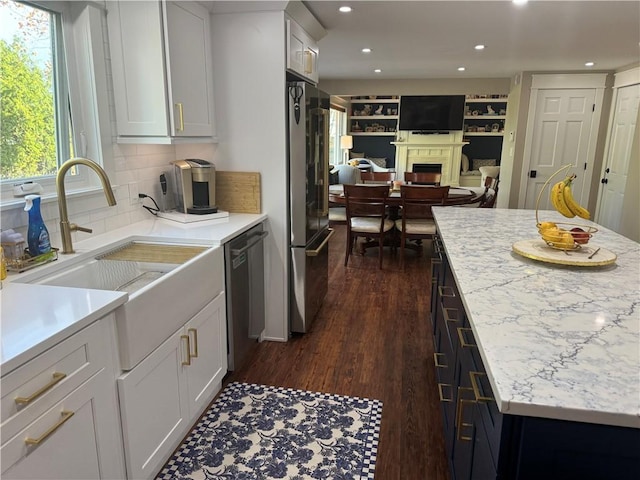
<point>238,192</point>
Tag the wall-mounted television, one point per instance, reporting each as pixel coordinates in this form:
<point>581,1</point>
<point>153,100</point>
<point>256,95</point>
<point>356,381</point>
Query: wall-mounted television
<point>431,113</point>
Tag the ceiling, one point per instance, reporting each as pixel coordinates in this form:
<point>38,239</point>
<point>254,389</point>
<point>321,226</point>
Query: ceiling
<point>431,39</point>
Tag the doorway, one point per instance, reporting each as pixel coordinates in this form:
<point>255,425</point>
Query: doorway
<point>617,161</point>
<point>564,117</point>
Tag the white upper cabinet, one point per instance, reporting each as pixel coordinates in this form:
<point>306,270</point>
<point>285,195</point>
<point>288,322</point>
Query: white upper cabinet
<point>302,52</point>
<point>162,71</point>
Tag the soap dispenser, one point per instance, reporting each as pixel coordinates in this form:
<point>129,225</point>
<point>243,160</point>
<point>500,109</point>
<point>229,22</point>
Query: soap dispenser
<point>37,234</point>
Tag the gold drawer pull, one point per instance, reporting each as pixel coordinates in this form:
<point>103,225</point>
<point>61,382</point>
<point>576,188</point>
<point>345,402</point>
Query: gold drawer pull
<point>441,393</point>
<point>57,377</point>
<point>445,291</point>
<point>188,350</point>
<point>476,387</point>
<point>463,342</point>
<point>195,342</point>
<point>435,360</point>
<point>66,415</point>
<point>460,424</point>
<point>450,317</point>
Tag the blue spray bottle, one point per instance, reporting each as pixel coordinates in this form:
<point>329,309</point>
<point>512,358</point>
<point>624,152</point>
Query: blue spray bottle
<point>37,234</point>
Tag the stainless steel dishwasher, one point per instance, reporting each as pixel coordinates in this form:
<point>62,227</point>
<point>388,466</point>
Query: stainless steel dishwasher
<point>244,265</point>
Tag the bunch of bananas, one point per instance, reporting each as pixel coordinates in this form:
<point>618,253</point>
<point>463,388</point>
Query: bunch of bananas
<point>563,201</point>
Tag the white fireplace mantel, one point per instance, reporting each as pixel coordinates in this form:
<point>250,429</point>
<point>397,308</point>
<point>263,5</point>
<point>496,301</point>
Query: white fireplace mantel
<point>443,149</point>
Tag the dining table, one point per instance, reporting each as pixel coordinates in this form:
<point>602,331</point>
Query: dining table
<point>456,196</point>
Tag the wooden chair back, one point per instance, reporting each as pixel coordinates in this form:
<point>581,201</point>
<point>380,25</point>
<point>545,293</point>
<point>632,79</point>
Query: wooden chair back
<point>366,215</point>
<point>490,200</point>
<point>417,218</point>
<point>417,200</point>
<point>377,177</point>
<point>422,178</point>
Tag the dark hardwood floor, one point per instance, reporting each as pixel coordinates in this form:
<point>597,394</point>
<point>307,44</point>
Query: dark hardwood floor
<point>372,338</point>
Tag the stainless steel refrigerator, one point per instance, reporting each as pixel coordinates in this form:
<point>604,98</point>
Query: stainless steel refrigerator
<point>308,165</point>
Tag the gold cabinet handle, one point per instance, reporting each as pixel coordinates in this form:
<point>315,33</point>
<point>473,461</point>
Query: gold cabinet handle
<point>180,117</point>
<point>66,415</point>
<point>475,385</point>
<point>57,377</point>
<point>435,360</point>
<point>441,392</point>
<point>188,349</point>
<point>445,291</point>
<point>450,314</point>
<point>195,342</point>
<point>463,341</point>
<point>460,423</point>
<point>308,61</point>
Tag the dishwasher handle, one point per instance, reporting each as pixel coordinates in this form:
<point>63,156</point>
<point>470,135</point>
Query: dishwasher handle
<point>254,239</point>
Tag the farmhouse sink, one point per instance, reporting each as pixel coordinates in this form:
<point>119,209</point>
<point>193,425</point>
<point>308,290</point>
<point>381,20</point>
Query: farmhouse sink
<point>167,285</point>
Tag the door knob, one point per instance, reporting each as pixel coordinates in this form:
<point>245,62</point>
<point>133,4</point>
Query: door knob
<point>604,180</point>
<point>533,174</point>
<point>607,170</point>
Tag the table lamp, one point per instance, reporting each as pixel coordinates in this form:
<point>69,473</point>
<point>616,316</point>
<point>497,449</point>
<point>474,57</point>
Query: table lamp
<point>346,144</point>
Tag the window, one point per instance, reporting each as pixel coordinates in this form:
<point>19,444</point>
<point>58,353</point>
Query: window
<point>35,116</point>
<point>337,128</point>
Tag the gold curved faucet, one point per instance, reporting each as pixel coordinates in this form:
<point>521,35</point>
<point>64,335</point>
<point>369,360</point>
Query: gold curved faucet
<point>65,227</point>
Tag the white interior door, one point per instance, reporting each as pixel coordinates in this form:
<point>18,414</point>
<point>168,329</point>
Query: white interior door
<point>561,135</point>
<point>623,127</point>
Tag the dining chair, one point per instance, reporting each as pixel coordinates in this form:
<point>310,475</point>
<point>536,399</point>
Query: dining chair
<point>417,221</point>
<point>377,177</point>
<point>366,215</point>
<point>490,199</point>
<point>422,178</point>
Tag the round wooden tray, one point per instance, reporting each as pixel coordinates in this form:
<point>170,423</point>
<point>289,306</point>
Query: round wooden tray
<point>537,249</point>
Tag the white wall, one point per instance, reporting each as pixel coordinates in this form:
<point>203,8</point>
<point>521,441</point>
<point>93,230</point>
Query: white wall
<point>249,77</point>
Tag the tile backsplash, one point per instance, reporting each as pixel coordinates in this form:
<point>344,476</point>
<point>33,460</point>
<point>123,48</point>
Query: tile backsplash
<point>137,170</point>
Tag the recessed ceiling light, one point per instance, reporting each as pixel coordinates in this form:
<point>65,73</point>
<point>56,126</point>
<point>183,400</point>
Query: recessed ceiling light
<point>520,2</point>
<point>344,9</point>
<point>366,50</point>
<point>461,69</point>
<point>589,64</point>
<point>479,47</point>
<point>377,70</point>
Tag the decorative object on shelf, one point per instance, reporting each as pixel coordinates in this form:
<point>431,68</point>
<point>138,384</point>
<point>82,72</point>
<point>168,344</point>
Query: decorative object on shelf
<point>356,127</point>
<point>379,110</point>
<point>503,111</point>
<point>367,110</point>
<point>346,144</point>
<point>495,127</point>
<point>490,110</point>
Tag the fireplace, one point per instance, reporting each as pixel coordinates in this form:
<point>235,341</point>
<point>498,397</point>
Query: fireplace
<point>427,167</point>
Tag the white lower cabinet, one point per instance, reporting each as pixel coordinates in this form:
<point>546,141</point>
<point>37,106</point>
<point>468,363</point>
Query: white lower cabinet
<point>61,433</point>
<point>163,395</point>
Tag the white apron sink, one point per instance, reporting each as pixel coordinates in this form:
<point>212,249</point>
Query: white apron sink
<point>167,284</point>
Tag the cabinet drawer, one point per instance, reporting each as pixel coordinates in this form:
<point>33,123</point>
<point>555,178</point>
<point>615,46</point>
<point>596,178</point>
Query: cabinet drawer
<point>60,443</point>
<point>31,389</point>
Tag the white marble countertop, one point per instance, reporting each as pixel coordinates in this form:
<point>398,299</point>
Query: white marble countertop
<point>557,341</point>
<point>36,317</point>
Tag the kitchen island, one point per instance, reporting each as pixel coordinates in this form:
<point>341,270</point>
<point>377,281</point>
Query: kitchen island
<point>537,363</point>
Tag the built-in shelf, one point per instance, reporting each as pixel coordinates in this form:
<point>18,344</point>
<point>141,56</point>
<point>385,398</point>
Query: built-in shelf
<point>486,100</point>
<point>483,134</point>
<point>480,117</point>
<point>375,117</point>
<point>373,134</point>
<point>375,100</point>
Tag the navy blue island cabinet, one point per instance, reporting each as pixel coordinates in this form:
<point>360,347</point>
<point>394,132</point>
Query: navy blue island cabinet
<point>484,444</point>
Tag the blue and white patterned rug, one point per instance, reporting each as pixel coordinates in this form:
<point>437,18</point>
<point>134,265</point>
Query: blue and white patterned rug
<point>262,432</point>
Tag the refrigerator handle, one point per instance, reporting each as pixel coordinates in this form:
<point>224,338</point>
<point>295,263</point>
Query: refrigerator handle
<point>316,252</point>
